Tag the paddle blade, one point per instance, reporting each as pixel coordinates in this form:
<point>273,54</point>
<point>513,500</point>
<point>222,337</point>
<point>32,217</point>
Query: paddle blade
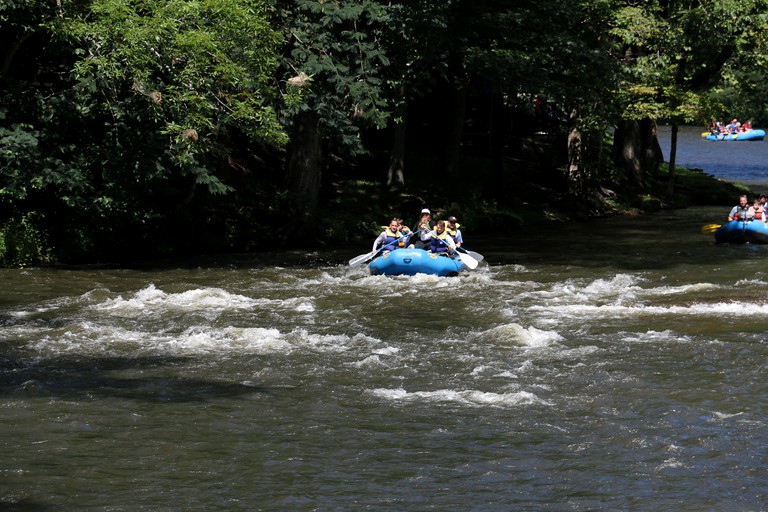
<point>479,257</point>
<point>709,228</point>
<point>357,260</point>
<point>468,260</point>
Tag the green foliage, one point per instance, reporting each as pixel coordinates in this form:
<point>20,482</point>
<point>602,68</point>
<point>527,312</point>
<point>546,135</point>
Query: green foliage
<point>675,53</point>
<point>129,123</point>
<point>130,108</point>
<point>333,52</point>
<point>22,243</point>
<point>201,66</point>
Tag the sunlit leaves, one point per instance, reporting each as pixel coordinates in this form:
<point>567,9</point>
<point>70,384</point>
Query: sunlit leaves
<point>681,50</point>
<point>202,64</point>
<point>338,45</point>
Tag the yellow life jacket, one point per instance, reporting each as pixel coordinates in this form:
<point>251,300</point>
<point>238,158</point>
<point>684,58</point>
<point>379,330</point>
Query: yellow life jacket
<point>390,237</point>
<point>450,231</point>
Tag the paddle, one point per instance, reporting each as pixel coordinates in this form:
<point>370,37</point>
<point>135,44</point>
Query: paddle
<point>709,228</point>
<point>369,256</point>
<point>479,257</point>
<point>466,259</point>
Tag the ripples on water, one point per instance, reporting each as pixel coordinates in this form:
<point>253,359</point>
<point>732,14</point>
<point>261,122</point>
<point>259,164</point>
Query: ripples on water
<point>623,376</point>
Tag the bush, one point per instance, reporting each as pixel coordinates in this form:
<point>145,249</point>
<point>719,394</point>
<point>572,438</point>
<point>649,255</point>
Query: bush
<point>22,243</point>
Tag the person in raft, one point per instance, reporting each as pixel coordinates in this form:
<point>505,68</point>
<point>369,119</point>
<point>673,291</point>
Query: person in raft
<point>742,210</point>
<point>452,228</point>
<point>441,243</point>
<point>425,223</point>
<point>391,237</point>
<point>758,212</point>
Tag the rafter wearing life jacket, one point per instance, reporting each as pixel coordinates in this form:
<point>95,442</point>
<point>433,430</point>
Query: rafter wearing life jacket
<point>741,214</point>
<point>441,242</point>
<point>452,231</point>
<point>391,241</point>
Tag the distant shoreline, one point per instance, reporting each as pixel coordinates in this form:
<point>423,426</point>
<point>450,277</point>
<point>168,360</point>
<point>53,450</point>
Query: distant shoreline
<point>757,186</point>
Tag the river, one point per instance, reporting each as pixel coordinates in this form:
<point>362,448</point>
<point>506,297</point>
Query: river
<point>611,365</point>
<point>743,162</point>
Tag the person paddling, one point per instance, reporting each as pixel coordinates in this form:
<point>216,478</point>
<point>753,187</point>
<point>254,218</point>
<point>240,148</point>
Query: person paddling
<point>425,223</point>
<point>391,237</point>
<point>441,243</point>
<point>452,228</point>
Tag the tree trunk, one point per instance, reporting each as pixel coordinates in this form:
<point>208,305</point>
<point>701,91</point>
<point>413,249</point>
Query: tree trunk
<point>672,158</point>
<point>627,152</point>
<point>448,163</point>
<point>396,174</point>
<point>575,182</point>
<point>652,154</point>
<point>303,175</point>
<point>636,150</point>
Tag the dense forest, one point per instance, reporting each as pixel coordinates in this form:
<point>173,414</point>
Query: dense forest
<point>134,128</point>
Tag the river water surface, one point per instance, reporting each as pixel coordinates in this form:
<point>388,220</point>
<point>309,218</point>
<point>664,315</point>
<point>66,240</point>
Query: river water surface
<point>618,364</point>
<point>745,162</point>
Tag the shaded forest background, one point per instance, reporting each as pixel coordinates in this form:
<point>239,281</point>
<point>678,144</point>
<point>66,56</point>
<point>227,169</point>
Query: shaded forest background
<point>133,129</point>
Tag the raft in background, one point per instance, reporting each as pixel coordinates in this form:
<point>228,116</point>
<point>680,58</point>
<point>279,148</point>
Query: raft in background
<point>754,134</point>
<point>409,262</point>
<point>742,231</point>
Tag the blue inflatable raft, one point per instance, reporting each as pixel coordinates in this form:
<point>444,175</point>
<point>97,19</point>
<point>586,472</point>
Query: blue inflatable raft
<point>409,262</point>
<point>750,135</point>
<point>741,232</point>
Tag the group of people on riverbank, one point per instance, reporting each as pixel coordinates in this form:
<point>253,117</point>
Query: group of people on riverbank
<point>441,237</point>
<point>734,127</point>
<point>746,211</point>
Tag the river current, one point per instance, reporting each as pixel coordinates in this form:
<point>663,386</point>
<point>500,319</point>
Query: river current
<point>611,365</point>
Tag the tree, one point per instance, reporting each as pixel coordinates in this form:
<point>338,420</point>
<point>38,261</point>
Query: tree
<point>415,42</point>
<point>129,126</point>
<point>201,68</point>
<point>332,51</point>
<point>671,65</point>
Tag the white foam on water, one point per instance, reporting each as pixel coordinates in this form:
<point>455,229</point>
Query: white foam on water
<point>751,282</point>
<point>672,463</point>
<point>492,371</point>
<point>203,340</point>
<point>726,416</point>
<point>682,289</point>
<point>588,312</point>
<point>471,398</point>
<point>369,362</point>
<point>153,299</point>
<point>516,334</point>
<point>305,307</point>
<point>91,338</point>
<point>618,284</point>
<point>666,336</point>
<point>386,351</point>
<point>620,290</point>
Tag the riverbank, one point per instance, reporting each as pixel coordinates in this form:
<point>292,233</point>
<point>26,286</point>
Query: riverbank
<point>353,205</point>
<point>368,205</point>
